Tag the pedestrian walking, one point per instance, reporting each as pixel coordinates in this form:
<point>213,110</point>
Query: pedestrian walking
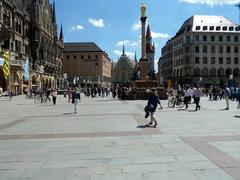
<point>197,93</point>
<point>151,107</point>
<point>54,96</point>
<point>76,97</point>
<point>227,94</point>
<point>187,96</point>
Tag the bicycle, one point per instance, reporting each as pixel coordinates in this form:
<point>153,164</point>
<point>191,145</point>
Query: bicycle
<point>175,102</point>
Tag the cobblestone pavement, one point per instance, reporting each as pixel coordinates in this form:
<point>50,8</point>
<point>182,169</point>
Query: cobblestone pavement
<point>107,140</point>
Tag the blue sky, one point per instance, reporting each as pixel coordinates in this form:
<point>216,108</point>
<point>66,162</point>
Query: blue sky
<point>109,23</point>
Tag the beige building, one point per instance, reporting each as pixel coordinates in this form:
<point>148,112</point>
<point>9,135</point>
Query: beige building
<point>205,50</point>
<point>87,64</point>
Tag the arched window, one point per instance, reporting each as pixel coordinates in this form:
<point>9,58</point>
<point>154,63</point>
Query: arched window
<point>178,73</point>
<point>205,71</point>
<point>213,72</point>
<point>236,72</point>
<point>220,72</point>
<point>228,72</point>
<point>197,72</point>
<point>174,73</point>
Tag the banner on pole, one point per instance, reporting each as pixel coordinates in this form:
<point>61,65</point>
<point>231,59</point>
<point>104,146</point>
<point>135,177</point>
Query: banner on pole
<point>6,65</point>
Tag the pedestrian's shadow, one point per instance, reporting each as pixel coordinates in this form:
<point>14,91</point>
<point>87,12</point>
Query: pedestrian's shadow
<point>236,116</point>
<point>192,111</point>
<point>223,109</point>
<point>68,113</point>
<point>145,126</point>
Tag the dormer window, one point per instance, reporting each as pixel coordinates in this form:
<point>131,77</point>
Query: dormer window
<point>198,27</point>
<point>211,28</point>
<point>205,28</point>
<point>218,28</point>
<point>237,28</point>
<point>231,28</point>
<point>224,28</point>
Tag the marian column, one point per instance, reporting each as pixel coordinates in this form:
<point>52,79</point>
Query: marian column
<point>143,22</point>
<point>143,63</point>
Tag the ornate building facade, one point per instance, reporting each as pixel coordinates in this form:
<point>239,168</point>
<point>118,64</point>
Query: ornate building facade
<point>29,32</point>
<point>205,50</point>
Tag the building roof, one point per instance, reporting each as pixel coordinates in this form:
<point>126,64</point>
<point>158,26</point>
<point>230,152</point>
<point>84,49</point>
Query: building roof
<point>81,47</point>
<point>204,23</point>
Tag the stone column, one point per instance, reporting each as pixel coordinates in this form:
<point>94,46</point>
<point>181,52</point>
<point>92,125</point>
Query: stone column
<point>143,21</point>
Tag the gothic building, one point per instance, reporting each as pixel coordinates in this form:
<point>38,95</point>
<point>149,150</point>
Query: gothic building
<point>123,70</point>
<point>29,31</point>
<point>150,49</point>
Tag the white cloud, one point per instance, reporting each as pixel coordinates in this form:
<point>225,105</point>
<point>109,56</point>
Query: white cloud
<point>136,26</point>
<point>127,43</point>
<point>128,53</point>
<point>210,2</point>
<point>77,28</point>
<point>120,43</point>
<point>96,22</point>
<point>156,35</point>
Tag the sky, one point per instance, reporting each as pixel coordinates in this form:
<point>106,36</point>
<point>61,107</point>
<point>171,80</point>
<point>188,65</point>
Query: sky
<point>110,23</point>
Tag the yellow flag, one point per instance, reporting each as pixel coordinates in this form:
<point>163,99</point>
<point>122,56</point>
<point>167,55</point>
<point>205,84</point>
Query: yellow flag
<point>6,65</point>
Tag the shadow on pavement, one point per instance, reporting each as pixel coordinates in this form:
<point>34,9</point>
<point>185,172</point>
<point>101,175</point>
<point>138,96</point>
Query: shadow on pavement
<point>68,113</point>
<point>236,116</point>
<point>145,126</point>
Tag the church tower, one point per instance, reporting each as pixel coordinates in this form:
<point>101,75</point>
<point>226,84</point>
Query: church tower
<point>150,49</point>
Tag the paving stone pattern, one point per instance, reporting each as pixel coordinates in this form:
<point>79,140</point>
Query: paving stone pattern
<point>108,140</point>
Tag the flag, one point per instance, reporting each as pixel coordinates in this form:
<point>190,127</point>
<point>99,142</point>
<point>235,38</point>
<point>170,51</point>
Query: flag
<point>1,61</point>
<point>6,65</point>
<point>26,70</point>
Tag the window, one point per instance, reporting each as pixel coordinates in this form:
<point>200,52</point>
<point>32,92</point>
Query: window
<point>212,38</point>
<point>68,57</point>
<point>237,28</point>
<point>198,27</point>
<point>236,60</point>
<point>220,60</point>
<point>187,39</point>
<point>211,28</point>
<point>220,38</point>
<point>204,38</point>
<point>205,60</point>
<point>231,28</point>
<point>228,49</point>
<point>235,38</point>
<point>220,49</point>
<point>196,37</point>
<point>196,49</point>
<point>89,57</point>
<point>224,28</point>
<point>82,57</point>
<point>204,49</point>
<point>96,56</point>
<point>212,49</point>
<point>213,60</point>
<point>197,60</point>
<point>74,57</point>
<point>218,28</point>
<point>236,49</point>
<point>205,28</point>
<point>228,60</point>
<point>228,38</point>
